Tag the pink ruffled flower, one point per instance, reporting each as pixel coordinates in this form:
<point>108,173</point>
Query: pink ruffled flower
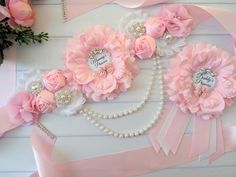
<point>21,12</point>
<point>145,47</point>
<point>201,80</point>
<point>22,108</point>
<point>179,21</point>
<point>45,102</point>
<point>155,27</point>
<point>109,72</point>
<point>54,80</point>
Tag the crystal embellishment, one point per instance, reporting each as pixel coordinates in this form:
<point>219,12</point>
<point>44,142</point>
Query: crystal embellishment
<point>204,78</point>
<point>63,97</point>
<point>137,29</point>
<point>35,87</point>
<point>98,58</point>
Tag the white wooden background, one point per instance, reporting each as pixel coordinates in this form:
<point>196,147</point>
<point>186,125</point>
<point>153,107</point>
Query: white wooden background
<point>77,138</point>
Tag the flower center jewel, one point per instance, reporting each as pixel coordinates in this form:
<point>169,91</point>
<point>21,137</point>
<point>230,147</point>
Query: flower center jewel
<point>137,29</point>
<point>63,97</point>
<point>99,58</point>
<point>35,87</point>
<point>204,78</point>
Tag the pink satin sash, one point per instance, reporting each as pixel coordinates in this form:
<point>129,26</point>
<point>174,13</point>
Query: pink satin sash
<point>125,164</point>
<point>8,75</point>
<point>74,8</point>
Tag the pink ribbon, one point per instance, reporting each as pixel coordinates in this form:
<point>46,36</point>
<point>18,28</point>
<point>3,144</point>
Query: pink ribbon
<point>8,75</point>
<point>125,164</point>
<point>74,8</point>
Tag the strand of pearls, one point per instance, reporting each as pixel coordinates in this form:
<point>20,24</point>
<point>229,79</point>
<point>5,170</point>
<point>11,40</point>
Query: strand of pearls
<point>156,70</point>
<point>92,116</point>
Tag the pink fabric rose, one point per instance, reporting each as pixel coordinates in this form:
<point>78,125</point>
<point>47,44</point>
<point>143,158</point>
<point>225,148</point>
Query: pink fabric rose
<point>54,80</point>
<point>45,102</point>
<point>145,46</point>
<point>155,27</point>
<point>22,108</point>
<point>21,12</point>
<point>179,21</point>
<point>212,105</point>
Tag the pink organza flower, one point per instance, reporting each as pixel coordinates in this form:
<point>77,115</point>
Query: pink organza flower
<point>54,80</point>
<point>101,62</point>
<point>22,108</point>
<point>45,102</point>
<point>145,47</point>
<point>179,21</point>
<point>21,12</point>
<point>155,27</point>
<point>201,80</point>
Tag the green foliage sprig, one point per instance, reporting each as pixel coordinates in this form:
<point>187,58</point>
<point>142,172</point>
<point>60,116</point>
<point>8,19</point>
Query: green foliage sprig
<point>20,35</point>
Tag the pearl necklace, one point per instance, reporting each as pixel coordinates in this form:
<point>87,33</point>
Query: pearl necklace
<point>93,116</point>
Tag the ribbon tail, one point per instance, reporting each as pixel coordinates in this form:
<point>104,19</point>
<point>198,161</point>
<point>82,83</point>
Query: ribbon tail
<point>43,147</point>
<point>176,130</point>
<point>220,149</point>
<point>200,137</point>
<point>155,131</point>
<point>164,128</point>
<point>213,139</point>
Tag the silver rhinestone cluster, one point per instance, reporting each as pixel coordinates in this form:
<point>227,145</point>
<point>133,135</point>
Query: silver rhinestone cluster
<point>137,29</point>
<point>35,87</point>
<point>63,97</point>
<point>96,51</point>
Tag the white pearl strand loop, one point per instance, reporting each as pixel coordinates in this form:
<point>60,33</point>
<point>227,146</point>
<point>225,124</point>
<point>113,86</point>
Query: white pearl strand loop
<point>139,106</point>
<point>93,116</point>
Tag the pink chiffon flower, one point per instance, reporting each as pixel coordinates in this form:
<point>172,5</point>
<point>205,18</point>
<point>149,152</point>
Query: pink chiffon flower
<point>45,102</point>
<point>54,80</point>
<point>101,62</point>
<point>201,80</point>
<point>178,20</point>
<point>155,27</point>
<point>145,47</point>
<point>22,108</point>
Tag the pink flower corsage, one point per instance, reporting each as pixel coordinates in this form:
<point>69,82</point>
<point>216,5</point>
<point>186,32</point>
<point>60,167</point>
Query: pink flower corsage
<point>178,20</point>
<point>102,63</point>
<point>201,80</point>
<point>22,108</point>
